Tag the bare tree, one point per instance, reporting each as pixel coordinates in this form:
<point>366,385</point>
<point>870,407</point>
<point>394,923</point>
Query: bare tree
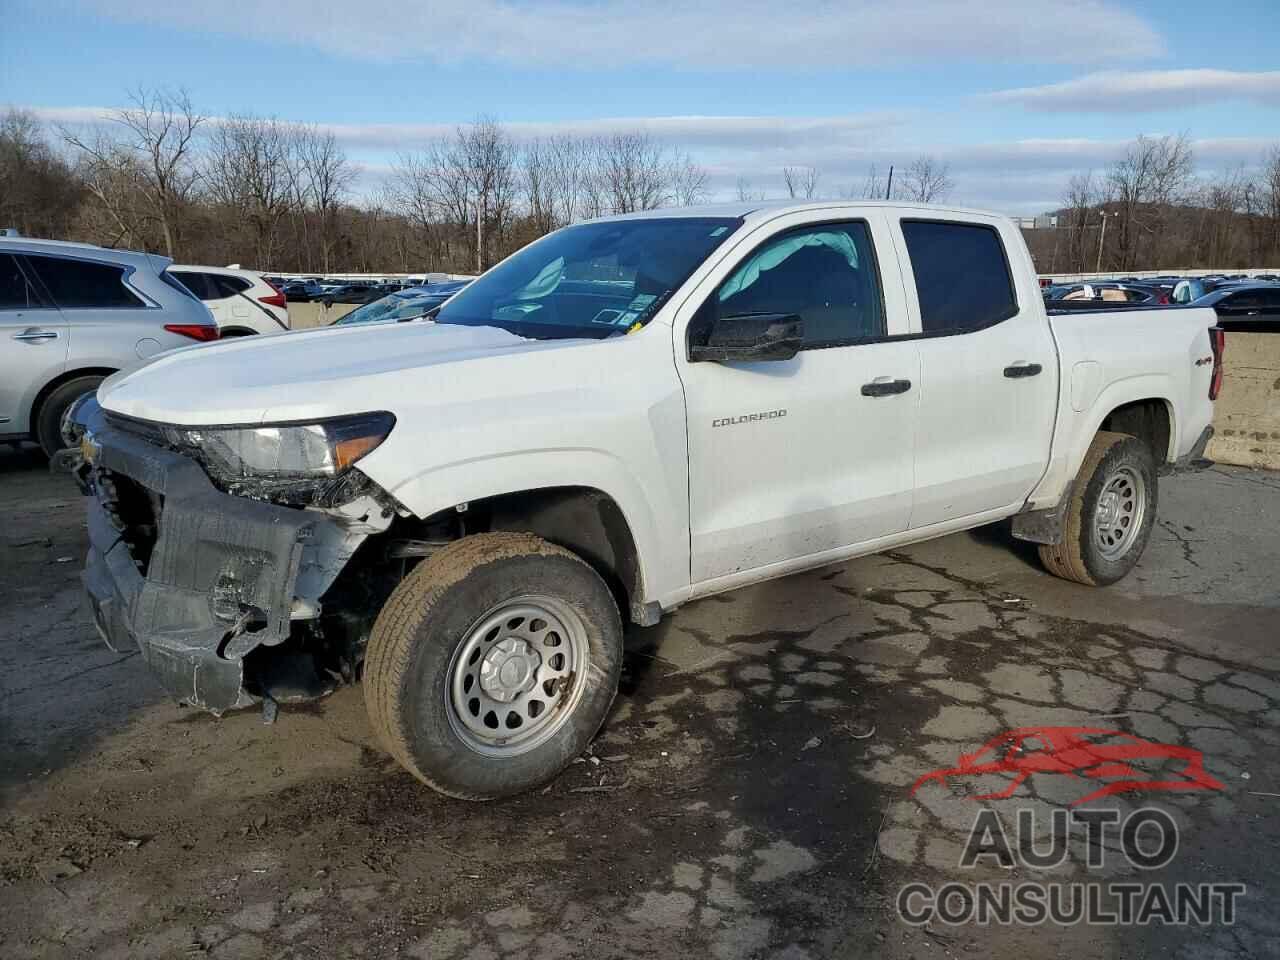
<point>153,145</point>
<point>1269,197</point>
<point>800,181</point>
<point>632,170</point>
<point>39,192</point>
<point>1081,203</point>
<point>925,180</point>
<point>746,192</point>
<point>537,185</point>
<point>688,181</point>
<point>323,176</point>
<point>489,158</point>
<point>873,187</point>
<point>249,171</point>
<point>1153,174</point>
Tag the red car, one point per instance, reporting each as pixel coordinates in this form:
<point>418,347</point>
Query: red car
<point>1090,753</point>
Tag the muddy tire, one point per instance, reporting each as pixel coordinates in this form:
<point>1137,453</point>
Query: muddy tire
<point>48,425</point>
<point>1109,518</point>
<point>493,664</point>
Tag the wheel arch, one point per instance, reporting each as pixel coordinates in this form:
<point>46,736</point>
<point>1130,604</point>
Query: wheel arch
<point>66,376</point>
<point>1151,420</point>
<point>584,520</point>
<point>1149,415</point>
<point>532,484</point>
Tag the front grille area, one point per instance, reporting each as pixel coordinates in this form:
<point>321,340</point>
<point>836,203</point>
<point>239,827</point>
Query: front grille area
<point>133,510</point>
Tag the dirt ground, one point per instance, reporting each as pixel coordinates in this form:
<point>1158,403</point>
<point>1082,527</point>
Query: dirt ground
<point>750,795</point>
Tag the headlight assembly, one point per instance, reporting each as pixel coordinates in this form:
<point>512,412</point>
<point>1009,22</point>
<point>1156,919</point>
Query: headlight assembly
<point>290,462</point>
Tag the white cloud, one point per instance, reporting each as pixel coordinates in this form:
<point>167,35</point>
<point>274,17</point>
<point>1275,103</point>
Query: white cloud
<point>1145,90</point>
<point>690,133</point>
<point>704,35</point>
<point>1015,176</point>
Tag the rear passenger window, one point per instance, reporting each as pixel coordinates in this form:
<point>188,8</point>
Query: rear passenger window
<point>197,283</point>
<point>225,286</point>
<point>962,276</point>
<point>83,283</point>
<point>824,274</point>
<point>15,292</point>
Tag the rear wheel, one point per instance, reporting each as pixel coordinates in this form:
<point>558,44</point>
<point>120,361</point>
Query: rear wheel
<point>48,425</point>
<point>493,665</point>
<point>1112,509</point>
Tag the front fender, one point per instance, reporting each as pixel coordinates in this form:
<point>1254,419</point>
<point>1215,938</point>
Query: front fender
<point>660,530</point>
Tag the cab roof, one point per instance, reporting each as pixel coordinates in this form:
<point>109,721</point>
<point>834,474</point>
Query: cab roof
<point>754,211</point>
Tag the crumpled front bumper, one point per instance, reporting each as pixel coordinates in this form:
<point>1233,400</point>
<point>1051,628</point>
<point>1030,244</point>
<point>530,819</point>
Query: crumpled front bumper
<point>220,579</point>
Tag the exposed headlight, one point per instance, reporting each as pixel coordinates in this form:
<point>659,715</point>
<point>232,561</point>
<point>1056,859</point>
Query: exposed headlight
<point>294,462</point>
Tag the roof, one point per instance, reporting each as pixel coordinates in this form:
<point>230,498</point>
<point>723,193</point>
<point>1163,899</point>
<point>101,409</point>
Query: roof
<point>758,210</point>
<point>86,251</point>
<point>225,271</point>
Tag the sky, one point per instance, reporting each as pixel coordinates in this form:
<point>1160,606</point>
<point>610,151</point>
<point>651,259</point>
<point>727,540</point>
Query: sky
<point>1014,95</point>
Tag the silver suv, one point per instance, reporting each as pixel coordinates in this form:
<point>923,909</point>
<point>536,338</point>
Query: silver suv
<point>71,314</point>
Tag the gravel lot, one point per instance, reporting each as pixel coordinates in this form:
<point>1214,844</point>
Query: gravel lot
<point>750,795</point>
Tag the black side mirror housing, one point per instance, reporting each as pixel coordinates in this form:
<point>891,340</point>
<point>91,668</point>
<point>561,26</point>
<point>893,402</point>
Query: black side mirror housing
<point>754,336</point>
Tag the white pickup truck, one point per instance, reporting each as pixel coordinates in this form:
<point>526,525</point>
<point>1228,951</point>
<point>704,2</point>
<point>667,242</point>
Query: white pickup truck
<point>624,416</point>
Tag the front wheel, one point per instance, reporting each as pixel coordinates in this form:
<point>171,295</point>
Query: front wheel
<point>1108,521</point>
<point>48,425</point>
<point>493,664</point>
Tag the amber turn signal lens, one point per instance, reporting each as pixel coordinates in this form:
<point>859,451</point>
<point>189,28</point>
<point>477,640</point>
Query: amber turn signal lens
<point>347,452</point>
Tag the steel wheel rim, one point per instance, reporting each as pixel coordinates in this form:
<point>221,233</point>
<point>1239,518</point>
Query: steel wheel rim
<point>1118,515</point>
<point>517,676</point>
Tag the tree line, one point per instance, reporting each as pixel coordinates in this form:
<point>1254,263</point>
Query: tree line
<point>158,175</point>
<point>1149,211</point>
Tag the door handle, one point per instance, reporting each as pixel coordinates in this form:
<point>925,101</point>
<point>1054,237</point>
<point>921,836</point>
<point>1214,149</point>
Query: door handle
<point>885,387</point>
<point>36,336</point>
<point>1016,371</point>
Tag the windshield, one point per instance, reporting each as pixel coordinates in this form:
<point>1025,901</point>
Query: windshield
<point>405,305</point>
<point>590,280</point>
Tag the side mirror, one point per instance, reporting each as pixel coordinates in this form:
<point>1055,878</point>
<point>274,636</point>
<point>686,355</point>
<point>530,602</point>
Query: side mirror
<point>755,336</point>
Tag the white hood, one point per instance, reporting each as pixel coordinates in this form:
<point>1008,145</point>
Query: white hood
<point>301,376</point>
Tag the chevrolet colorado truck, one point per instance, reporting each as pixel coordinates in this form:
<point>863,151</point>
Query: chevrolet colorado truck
<point>626,415</point>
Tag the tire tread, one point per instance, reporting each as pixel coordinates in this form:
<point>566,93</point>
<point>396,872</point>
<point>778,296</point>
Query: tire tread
<point>394,634</point>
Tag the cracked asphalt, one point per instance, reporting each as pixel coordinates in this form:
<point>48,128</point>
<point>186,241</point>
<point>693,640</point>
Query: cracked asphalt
<point>750,796</point>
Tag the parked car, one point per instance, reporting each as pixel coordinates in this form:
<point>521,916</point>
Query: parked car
<point>302,291</point>
<point>626,415</point>
<point>1193,288</point>
<point>1247,307</point>
<point>1105,292</point>
<point>72,314</point>
<point>411,304</point>
<point>242,302</point>
<point>352,293</point>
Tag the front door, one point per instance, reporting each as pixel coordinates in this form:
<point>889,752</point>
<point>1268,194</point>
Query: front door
<point>790,459</point>
<point>33,345</point>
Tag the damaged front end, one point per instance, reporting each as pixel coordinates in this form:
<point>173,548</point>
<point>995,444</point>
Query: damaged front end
<point>218,576</point>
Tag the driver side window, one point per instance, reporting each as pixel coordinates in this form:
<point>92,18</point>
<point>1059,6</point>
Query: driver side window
<point>825,274</point>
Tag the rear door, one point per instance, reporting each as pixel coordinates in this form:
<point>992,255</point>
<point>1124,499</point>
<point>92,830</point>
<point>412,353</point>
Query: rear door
<point>796,458</point>
<point>988,368</point>
<point>108,323</point>
<point>33,344</point>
